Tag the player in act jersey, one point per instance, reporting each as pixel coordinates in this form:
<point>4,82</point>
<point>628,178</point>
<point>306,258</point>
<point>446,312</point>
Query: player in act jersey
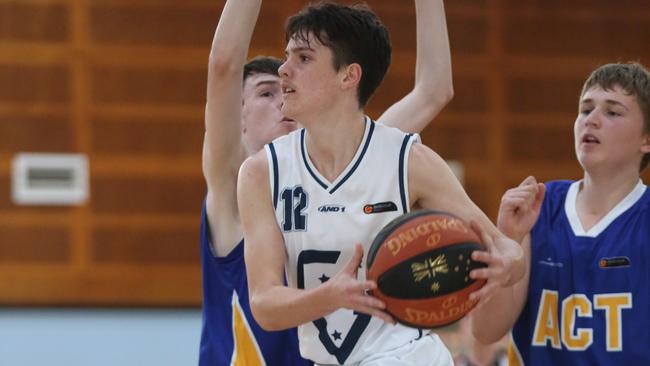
<point>584,299</point>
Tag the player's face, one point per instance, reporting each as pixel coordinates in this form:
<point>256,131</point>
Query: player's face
<point>608,131</point>
<point>262,119</point>
<point>309,82</point>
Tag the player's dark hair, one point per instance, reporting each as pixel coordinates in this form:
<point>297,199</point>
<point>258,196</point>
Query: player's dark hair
<point>353,33</point>
<point>262,65</point>
<point>634,79</point>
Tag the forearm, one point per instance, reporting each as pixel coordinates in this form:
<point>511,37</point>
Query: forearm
<point>433,86</point>
<point>433,62</point>
<point>281,307</point>
<point>234,32</point>
<point>223,152</point>
<point>495,316</point>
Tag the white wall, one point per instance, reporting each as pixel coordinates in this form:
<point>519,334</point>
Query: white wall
<point>99,337</point>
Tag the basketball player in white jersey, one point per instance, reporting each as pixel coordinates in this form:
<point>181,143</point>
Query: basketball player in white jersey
<point>312,201</point>
<point>240,118</point>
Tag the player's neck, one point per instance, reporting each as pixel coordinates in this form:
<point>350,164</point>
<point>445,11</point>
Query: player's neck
<point>600,192</point>
<point>332,140</point>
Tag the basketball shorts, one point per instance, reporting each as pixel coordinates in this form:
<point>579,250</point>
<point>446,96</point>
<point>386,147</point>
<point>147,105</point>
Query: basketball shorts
<point>426,351</point>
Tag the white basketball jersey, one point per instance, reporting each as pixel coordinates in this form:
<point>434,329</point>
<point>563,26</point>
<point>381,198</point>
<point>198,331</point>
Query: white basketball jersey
<point>321,221</point>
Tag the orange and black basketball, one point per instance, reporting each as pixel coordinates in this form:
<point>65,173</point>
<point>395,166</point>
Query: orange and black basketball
<point>421,263</point>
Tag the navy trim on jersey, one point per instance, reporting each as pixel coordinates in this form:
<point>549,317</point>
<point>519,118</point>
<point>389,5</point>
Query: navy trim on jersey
<point>402,152</point>
<point>276,176</point>
<point>356,164</point>
<point>304,159</point>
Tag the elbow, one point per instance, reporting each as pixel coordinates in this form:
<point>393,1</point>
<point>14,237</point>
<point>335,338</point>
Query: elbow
<point>220,65</point>
<point>442,96</point>
<point>485,333</point>
<point>435,99</point>
<point>449,94</point>
<point>265,320</point>
<point>486,338</point>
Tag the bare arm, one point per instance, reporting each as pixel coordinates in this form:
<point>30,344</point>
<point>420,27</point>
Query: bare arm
<point>518,212</point>
<point>274,305</point>
<point>494,318</point>
<point>433,83</point>
<point>433,185</point>
<point>222,147</point>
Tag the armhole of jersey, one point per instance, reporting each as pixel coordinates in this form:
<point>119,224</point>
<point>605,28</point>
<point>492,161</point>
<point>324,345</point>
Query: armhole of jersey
<point>403,169</point>
<point>272,158</point>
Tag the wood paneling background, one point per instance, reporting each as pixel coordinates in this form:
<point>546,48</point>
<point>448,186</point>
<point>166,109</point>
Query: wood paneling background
<point>124,82</point>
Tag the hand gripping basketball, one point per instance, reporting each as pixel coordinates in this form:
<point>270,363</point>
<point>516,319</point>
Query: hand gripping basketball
<point>421,262</point>
<point>351,293</point>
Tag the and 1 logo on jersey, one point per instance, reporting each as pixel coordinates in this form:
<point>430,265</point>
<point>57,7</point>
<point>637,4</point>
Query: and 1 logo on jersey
<point>331,208</point>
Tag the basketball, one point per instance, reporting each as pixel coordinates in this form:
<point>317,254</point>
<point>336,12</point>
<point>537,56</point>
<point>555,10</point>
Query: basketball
<point>421,262</point>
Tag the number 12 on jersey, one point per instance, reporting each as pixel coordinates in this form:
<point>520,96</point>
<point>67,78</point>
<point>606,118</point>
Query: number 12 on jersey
<point>295,202</point>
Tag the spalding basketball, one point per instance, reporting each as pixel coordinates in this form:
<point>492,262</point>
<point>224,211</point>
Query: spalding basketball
<point>421,263</point>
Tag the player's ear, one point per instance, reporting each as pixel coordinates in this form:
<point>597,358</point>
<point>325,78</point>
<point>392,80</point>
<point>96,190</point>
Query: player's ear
<point>351,75</point>
<point>645,146</point>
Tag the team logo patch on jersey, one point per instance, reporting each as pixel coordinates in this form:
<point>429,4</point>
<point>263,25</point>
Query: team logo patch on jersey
<point>614,262</point>
<point>331,208</point>
<point>379,207</point>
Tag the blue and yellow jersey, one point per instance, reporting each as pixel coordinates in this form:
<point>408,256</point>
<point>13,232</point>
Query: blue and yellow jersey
<point>588,295</point>
<point>230,335</point>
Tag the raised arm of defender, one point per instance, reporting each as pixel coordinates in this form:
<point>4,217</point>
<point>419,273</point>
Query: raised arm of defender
<point>223,152</point>
<point>433,82</point>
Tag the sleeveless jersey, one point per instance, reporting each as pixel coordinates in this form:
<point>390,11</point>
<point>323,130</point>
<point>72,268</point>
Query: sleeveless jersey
<point>588,295</point>
<point>230,335</point>
<point>321,221</point>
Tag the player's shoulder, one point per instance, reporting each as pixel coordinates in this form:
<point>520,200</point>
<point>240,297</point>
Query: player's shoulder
<point>254,167</point>
<point>394,132</point>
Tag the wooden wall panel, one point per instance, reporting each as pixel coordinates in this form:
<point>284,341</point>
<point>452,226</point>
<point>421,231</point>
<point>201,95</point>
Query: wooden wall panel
<point>141,246</point>
<point>543,95</point>
<point>539,143</point>
<point>31,244</point>
<point>152,25</point>
<point>147,85</point>
<point>37,134</point>
<point>459,142</point>
<point>573,36</point>
<point>147,195</point>
<point>22,83</point>
<point>147,136</point>
<point>124,82</point>
<point>470,96</point>
<point>33,22</point>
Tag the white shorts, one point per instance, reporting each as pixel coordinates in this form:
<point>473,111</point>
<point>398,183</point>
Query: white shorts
<point>426,351</point>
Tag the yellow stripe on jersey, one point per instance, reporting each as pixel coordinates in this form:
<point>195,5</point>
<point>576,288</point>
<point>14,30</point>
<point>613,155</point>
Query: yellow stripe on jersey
<point>514,359</point>
<point>247,351</point>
